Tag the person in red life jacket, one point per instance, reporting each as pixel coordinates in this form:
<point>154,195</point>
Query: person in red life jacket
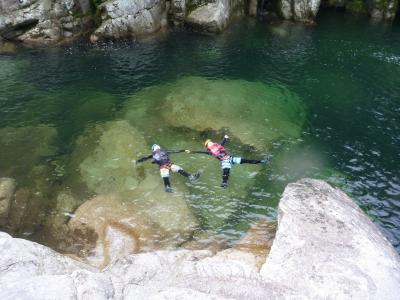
<point>160,157</point>
<point>219,152</point>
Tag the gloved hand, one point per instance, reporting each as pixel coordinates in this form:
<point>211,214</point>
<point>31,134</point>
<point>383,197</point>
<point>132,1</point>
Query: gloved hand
<point>134,161</point>
<point>187,151</point>
<point>226,136</point>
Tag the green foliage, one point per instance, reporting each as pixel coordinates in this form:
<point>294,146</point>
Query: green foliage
<point>381,4</point>
<point>356,6</point>
<point>96,3</point>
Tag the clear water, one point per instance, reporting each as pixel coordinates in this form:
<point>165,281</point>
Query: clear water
<point>331,94</point>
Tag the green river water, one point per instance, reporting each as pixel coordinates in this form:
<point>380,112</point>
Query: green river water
<point>324,101</point>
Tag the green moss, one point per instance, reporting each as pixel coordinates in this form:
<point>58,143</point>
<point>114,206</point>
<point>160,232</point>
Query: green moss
<point>356,6</point>
<point>381,4</point>
<point>97,3</point>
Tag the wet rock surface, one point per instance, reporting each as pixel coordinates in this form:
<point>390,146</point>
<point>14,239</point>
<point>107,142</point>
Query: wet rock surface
<point>215,16</point>
<point>44,22</point>
<point>299,10</point>
<point>325,246</point>
<point>127,19</point>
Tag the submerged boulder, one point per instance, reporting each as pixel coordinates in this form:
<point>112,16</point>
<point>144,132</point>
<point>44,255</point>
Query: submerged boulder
<point>7,189</point>
<point>254,112</point>
<point>19,161</point>
<point>127,19</point>
<point>120,229</point>
<point>299,10</point>
<point>44,22</point>
<point>103,157</point>
<point>133,223</point>
<point>326,247</point>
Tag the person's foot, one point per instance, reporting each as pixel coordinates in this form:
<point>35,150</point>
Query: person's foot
<point>224,185</point>
<point>168,189</point>
<point>266,160</point>
<point>194,176</point>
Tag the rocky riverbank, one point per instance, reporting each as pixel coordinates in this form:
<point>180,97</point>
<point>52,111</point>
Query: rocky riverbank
<point>325,247</point>
<point>45,22</point>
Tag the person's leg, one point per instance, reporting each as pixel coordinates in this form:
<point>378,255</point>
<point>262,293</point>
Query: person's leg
<point>226,166</point>
<point>225,177</point>
<point>250,161</point>
<point>164,172</point>
<point>178,169</point>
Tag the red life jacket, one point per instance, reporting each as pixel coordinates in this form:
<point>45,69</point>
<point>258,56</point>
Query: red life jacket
<point>217,151</point>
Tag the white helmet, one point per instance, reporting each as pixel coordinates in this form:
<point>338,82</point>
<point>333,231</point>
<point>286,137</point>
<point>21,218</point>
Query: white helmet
<point>155,147</point>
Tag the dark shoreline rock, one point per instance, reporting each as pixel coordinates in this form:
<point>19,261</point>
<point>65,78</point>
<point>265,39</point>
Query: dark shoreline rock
<point>45,23</point>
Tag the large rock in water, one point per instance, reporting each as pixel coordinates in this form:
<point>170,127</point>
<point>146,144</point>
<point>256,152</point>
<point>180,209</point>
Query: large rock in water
<point>383,10</point>
<point>298,10</point>
<point>254,112</point>
<point>144,220</point>
<point>326,247</point>
<point>127,19</point>
<point>214,16</point>
<point>7,189</point>
<point>103,157</point>
<point>44,21</point>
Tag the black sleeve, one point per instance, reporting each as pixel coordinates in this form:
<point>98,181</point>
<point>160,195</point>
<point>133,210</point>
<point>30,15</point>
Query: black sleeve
<point>144,158</point>
<point>224,140</point>
<point>200,152</point>
<point>174,151</point>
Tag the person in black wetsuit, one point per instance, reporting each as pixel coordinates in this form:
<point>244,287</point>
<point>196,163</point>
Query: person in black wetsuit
<point>160,157</point>
<point>219,152</point>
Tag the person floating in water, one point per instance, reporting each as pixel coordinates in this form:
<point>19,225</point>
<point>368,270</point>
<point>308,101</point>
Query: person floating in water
<point>160,157</point>
<point>219,152</point>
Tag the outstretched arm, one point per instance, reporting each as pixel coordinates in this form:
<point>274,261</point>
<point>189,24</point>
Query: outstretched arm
<point>198,152</point>
<point>174,151</point>
<point>224,139</point>
<point>144,158</point>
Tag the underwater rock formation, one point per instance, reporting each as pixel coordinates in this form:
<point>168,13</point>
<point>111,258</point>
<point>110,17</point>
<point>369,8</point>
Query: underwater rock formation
<point>7,189</point>
<point>28,204</point>
<point>201,104</point>
<point>44,22</point>
<point>103,157</point>
<point>196,108</point>
<point>325,247</point>
<point>144,220</point>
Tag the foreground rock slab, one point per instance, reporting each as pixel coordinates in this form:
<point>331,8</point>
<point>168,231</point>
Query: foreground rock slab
<point>327,248</point>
